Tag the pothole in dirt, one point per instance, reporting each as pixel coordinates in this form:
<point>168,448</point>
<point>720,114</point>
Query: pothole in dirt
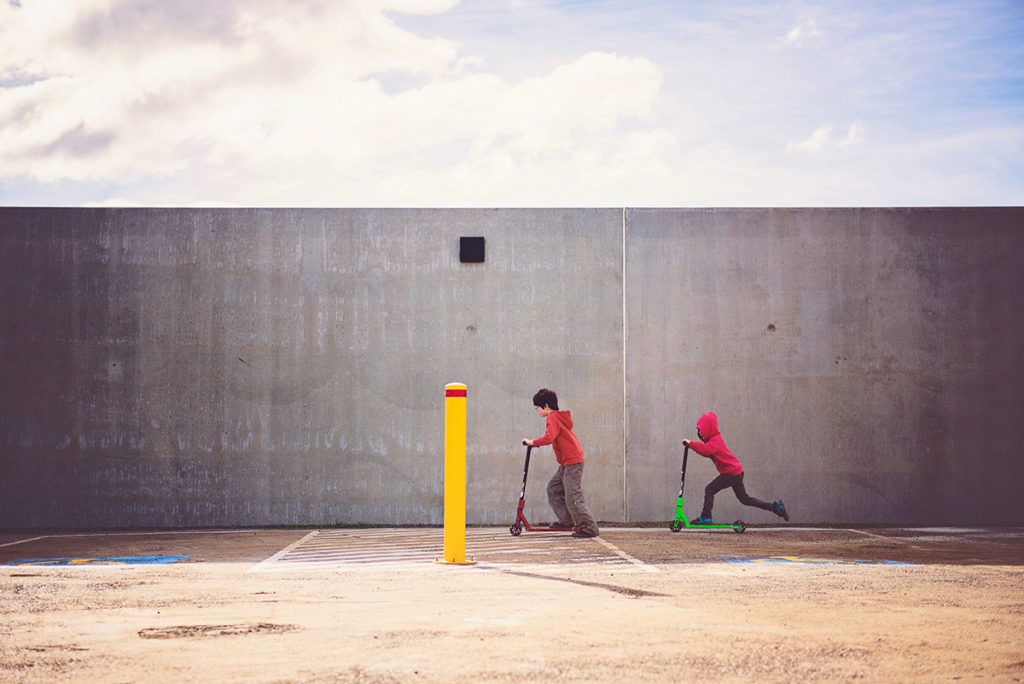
<point>202,631</point>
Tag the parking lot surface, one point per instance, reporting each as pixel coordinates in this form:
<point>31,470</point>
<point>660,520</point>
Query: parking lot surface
<point>375,605</point>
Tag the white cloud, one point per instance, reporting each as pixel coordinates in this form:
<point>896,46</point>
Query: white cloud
<point>822,140</point>
<point>854,135</point>
<point>802,32</point>
<point>521,102</point>
<point>128,88</point>
<point>814,144</point>
<point>290,96</point>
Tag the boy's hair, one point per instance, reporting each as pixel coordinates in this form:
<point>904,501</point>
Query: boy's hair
<point>543,397</point>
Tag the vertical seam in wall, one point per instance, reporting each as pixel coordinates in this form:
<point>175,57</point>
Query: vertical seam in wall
<point>625,388</point>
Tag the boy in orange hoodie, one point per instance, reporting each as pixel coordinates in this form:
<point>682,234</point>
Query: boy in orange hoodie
<point>730,471</point>
<point>565,490</point>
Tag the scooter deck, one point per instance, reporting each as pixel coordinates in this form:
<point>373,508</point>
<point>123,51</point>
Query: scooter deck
<point>521,524</point>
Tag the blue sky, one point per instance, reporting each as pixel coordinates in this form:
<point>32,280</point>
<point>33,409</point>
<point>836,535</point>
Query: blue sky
<point>399,103</point>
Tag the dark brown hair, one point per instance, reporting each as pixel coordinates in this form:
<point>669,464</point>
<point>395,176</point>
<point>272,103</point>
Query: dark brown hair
<point>543,397</point>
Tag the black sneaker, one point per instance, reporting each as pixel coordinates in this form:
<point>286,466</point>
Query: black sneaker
<point>780,510</point>
<point>701,521</point>
<point>580,534</point>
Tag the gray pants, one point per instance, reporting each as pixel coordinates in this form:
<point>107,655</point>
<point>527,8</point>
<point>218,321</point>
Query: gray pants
<point>565,494</point>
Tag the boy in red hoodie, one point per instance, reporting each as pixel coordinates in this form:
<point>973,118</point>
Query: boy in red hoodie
<point>565,490</point>
<point>730,471</point>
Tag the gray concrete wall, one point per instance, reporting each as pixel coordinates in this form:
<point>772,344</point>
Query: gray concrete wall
<point>864,363</point>
<point>249,367</point>
<point>170,367</point>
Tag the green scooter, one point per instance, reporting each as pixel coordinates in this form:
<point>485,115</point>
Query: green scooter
<point>680,522</point>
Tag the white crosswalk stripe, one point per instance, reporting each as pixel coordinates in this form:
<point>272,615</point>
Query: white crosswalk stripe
<point>419,548</point>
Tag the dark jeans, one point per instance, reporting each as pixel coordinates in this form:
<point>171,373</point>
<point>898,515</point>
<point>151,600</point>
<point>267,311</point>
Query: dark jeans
<point>736,482</point>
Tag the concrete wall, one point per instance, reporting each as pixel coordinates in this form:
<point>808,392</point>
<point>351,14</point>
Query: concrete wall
<point>170,367</point>
<point>223,367</point>
<point>864,363</point>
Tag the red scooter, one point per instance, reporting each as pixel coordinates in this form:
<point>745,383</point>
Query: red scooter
<point>521,523</point>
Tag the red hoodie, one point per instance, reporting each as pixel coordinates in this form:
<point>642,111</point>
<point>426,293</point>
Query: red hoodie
<point>714,446</point>
<point>561,438</point>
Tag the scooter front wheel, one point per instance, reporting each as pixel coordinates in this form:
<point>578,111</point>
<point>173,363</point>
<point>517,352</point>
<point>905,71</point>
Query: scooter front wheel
<point>516,529</point>
<point>675,526</point>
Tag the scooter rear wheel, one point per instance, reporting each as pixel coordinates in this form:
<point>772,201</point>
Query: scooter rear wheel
<point>739,526</point>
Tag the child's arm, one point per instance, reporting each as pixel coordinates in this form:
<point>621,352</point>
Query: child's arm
<point>549,435</point>
<point>699,447</point>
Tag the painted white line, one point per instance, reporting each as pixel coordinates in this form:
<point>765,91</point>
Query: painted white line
<point>127,533</point>
<point>339,550</point>
<point>622,554</point>
<point>872,534</point>
<point>22,541</point>
<point>283,552</point>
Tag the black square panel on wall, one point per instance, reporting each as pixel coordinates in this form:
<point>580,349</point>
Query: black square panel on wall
<point>471,250</point>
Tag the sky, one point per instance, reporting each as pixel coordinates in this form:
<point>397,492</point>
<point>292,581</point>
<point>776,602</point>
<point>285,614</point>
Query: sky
<point>511,103</point>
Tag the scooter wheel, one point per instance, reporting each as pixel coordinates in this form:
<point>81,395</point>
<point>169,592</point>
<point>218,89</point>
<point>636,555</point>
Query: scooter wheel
<point>739,526</point>
<point>516,529</point>
<point>675,527</point>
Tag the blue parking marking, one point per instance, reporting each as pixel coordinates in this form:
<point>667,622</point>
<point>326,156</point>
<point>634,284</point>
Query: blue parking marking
<point>102,560</point>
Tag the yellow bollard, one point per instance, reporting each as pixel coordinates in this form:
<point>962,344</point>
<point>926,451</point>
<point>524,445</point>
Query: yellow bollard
<point>455,474</point>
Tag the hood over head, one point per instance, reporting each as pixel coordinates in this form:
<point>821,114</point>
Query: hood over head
<point>708,425</point>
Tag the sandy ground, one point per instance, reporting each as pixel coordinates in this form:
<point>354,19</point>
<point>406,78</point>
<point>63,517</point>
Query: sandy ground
<point>773,604</point>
